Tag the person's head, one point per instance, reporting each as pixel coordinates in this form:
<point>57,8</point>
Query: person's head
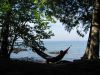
<point>61,51</point>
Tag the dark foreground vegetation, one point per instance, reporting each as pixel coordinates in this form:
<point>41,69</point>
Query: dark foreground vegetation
<point>62,68</point>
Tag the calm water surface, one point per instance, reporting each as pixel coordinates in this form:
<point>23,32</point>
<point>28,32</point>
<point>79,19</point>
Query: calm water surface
<point>75,52</point>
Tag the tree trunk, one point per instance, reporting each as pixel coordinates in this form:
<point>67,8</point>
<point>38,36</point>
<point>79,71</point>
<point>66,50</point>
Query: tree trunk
<point>12,45</point>
<point>92,50</point>
<point>5,35</point>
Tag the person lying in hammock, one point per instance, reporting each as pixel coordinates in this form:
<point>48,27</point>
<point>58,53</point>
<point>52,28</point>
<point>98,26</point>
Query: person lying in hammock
<point>58,57</point>
<point>48,57</point>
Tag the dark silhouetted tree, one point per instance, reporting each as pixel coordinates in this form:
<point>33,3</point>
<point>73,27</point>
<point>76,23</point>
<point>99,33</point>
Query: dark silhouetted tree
<point>82,15</point>
<point>15,19</point>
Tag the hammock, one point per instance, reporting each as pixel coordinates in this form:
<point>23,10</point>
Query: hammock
<point>48,57</point>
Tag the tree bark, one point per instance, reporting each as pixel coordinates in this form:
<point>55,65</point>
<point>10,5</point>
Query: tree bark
<point>92,50</point>
<point>12,45</point>
<point>5,35</point>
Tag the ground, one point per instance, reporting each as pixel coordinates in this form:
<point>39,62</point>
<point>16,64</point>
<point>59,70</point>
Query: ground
<point>62,68</point>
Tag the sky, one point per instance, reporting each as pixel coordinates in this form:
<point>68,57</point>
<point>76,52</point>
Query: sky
<point>62,35</point>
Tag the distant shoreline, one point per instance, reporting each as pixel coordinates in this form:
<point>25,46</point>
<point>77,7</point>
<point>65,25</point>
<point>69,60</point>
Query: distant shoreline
<point>63,40</point>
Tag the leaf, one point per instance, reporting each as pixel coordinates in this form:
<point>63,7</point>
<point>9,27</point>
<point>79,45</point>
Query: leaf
<point>43,1</point>
<point>35,1</point>
<point>5,7</point>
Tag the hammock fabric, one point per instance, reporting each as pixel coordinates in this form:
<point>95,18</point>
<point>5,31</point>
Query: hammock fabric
<point>48,57</point>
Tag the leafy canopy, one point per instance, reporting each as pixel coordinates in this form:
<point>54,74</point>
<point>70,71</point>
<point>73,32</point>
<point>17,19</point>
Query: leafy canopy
<point>72,13</point>
<point>24,12</point>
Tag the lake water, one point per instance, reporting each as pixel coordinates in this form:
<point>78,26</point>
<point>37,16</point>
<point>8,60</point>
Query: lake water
<point>75,52</point>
